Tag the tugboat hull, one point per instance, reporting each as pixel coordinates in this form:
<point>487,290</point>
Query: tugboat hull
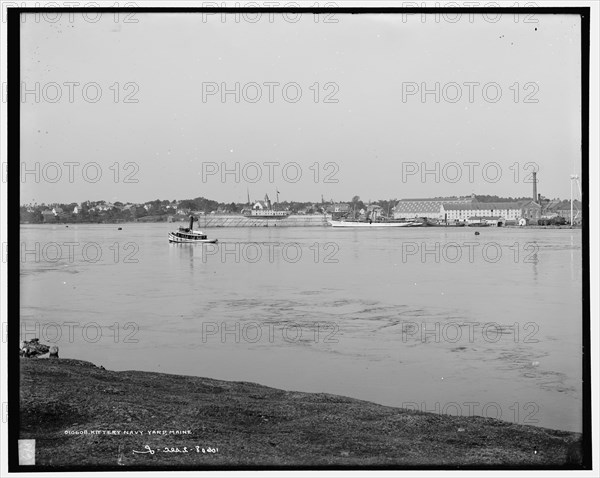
<point>173,237</point>
<point>187,235</point>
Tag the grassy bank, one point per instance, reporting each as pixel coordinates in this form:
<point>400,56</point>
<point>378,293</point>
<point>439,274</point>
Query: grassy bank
<point>249,425</point>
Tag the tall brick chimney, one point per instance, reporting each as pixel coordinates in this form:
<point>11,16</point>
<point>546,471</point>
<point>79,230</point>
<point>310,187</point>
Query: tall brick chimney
<point>535,196</point>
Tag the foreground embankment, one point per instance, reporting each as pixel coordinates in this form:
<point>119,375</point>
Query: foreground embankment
<point>81,414</point>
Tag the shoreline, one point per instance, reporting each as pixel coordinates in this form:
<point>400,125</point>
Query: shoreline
<point>82,414</point>
<point>233,222</point>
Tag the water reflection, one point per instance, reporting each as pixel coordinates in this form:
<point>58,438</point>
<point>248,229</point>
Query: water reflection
<point>534,260</point>
<point>181,253</point>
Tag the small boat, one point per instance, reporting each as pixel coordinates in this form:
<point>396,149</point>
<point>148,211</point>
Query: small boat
<point>188,235</point>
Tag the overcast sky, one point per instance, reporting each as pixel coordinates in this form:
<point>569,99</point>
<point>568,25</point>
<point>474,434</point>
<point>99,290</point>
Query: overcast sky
<point>377,138</point>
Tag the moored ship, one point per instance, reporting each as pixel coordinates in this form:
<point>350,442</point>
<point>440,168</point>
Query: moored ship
<point>372,217</point>
<point>377,224</point>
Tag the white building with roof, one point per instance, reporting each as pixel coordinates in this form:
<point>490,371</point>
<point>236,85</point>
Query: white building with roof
<point>429,208</point>
<point>509,211</point>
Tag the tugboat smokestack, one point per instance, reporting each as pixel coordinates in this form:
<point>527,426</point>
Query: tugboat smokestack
<point>535,196</point>
<point>191,222</point>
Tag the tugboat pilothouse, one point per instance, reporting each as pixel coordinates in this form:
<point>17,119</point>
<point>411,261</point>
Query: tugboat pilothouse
<point>188,235</point>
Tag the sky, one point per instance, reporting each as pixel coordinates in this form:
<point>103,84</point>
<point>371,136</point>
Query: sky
<point>323,109</point>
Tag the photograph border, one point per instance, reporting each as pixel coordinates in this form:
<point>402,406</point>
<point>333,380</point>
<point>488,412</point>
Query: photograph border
<point>13,216</point>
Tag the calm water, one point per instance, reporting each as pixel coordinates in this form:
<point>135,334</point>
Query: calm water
<point>403,319</point>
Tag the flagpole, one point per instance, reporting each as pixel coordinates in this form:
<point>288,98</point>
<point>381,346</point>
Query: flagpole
<point>574,177</point>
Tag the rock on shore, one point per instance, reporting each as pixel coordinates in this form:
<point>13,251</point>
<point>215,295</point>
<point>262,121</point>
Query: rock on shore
<point>249,425</point>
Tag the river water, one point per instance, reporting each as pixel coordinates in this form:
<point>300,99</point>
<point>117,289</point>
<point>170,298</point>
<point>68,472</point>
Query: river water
<point>436,319</point>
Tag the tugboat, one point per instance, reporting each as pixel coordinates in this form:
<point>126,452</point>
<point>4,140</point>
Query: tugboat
<point>188,235</point>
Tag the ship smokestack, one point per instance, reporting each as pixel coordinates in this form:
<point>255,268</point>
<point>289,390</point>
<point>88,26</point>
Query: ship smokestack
<point>191,222</point>
<point>535,196</point>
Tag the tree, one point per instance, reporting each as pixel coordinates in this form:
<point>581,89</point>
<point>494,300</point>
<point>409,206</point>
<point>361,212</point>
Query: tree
<point>188,204</point>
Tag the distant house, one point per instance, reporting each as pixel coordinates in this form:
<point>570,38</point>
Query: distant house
<point>341,207</point>
<point>338,207</point>
<point>76,210</point>
<point>48,215</point>
<point>260,205</point>
<point>104,206</point>
<point>57,210</point>
<point>338,210</point>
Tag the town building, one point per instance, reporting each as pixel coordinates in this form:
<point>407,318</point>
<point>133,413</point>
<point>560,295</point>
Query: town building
<point>261,206</point>
<point>338,207</point>
<point>460,213</point>
<point>485,221</point>
<point>338,210</point>
<point>531,211</point>
<point>562,208</point>
<point>429,208</point>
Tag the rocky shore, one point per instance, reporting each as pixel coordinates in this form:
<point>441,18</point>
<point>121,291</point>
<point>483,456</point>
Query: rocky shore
<point>83,415</point>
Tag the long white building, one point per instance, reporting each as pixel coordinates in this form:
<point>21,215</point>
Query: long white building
<point>509,211</point>
<point>429,208</point>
